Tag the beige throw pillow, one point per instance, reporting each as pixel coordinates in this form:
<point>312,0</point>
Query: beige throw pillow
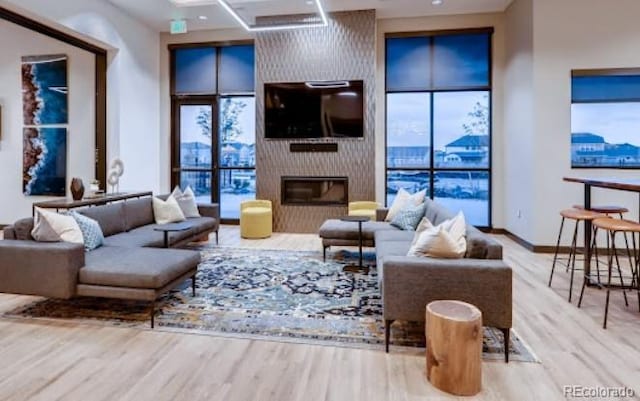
<point>187,202</point>
<point>402,200</point>
<point>168,211</point>
<point>447,240</point>
<point>424,225</point>
<point>55,227</point>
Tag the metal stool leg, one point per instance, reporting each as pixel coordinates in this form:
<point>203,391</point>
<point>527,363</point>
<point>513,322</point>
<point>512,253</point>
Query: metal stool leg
<point>624,293</point>
<point>594,246</point>
<point>555,256</point>
<point>611,251</point>
<point>574,245</point>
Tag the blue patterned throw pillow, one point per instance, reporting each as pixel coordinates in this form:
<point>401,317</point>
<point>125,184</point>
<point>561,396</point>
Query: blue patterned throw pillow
<point>91,231</point>
<point>409,218</point>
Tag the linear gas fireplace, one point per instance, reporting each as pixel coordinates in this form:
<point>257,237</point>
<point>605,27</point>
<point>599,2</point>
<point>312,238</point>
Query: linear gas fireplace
<point>315,191</point>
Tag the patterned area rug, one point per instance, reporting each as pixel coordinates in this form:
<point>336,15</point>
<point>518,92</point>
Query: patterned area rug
<point>288,296</point>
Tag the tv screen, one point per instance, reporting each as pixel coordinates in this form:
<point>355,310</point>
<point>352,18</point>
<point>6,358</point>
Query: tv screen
<point>314,110</point>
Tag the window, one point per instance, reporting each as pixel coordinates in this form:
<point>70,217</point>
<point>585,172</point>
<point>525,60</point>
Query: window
<point>438,98</point>
<point>213,97</point>
<point>605,119</point>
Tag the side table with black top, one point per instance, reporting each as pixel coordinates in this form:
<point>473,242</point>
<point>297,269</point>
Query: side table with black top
<point>171,228</point>
<point>352,268</point>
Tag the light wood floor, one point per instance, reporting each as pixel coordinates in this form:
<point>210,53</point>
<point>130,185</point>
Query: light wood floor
<point>58,361</point>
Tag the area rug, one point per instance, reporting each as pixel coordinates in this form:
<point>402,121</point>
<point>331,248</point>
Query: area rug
<point>281,295</point>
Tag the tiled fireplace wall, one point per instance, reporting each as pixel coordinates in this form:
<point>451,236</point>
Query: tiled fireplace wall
<point>345,50</point>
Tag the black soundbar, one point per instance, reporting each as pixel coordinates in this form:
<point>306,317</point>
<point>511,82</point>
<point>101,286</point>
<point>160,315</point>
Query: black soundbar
<point>313,147</point>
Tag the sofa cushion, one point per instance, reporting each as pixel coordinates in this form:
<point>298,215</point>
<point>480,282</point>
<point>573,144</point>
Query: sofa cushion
<point>394,235</point>
<point>345,230</point>
<point>136,267</point>
<point>138,213</point>
<point>201,225</point>
<point>23,228</point>
<point>111,217</point>
<point>481,245</point>
<point>436,213</point>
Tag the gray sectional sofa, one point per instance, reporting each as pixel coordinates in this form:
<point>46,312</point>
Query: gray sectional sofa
<point>130,265</point>
<point>408,284</point>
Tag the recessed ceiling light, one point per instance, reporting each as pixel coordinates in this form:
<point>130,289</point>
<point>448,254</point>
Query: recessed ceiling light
<point>436,2</point>
<point>203,17</point>
<point>254,28</point>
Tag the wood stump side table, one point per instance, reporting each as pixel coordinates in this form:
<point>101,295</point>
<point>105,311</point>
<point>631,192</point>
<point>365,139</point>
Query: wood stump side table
<point>454,347</point>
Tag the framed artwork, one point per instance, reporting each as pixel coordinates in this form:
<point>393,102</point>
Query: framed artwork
<point>44,90</point>
<point>44,163</point>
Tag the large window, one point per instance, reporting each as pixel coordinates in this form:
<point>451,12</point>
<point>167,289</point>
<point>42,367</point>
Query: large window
<point>605,119</point>
<point>438,101</point>
<point>214,138</point>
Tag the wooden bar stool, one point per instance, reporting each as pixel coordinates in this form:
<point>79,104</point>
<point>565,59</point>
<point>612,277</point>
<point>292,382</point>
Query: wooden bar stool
<point>611,211</point>
<point>613,227</point>
<point>577,215</point>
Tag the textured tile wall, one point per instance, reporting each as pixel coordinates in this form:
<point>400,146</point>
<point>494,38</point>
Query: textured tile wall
<point>345,50</point>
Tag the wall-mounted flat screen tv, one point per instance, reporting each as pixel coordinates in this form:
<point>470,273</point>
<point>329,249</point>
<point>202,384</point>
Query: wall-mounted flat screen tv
<point>314,110</point>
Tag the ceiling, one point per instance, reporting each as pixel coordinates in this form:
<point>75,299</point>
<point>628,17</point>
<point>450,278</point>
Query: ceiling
<point>158,13</point>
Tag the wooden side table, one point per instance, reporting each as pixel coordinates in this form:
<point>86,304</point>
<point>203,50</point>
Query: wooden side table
<point>454,347</point>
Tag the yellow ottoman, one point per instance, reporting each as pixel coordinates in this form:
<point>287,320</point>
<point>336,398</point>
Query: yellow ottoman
<point>365,208</point>
<point>256,219</point>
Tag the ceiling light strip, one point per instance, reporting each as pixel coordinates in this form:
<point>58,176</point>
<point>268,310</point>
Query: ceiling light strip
<point>225,4</point>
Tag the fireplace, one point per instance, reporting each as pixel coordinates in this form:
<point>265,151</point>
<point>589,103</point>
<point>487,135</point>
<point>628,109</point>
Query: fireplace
<point>315,191</point>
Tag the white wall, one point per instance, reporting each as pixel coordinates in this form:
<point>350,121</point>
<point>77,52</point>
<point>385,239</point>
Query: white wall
<point>519,133</point>
<point>133,93</point>
<point>546,39</point>
<point>16,42</point>
<point>440,23</point>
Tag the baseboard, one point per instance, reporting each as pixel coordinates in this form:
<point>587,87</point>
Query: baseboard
<point>544,248</point>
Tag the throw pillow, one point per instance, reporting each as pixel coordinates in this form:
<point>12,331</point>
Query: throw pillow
<point>402,200</point>
<point>168,211</point>
<point>446,240</point>
<point>424,225</point>
<point>55,227</point>
<point>187,201</point>
<point>91,231</point>
<point>409,218</point>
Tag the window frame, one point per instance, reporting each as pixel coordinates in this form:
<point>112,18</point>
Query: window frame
<point>214,99</point>
<point>432,169</point>
<point>600,72</point>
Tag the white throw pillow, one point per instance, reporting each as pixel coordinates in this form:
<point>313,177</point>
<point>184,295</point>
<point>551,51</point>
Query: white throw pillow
<point>55,227</point>
<point>447,240</point>
<point>187,202</point>
<point>168,211</point>
<point>425,224</point>
<point>404,199</point>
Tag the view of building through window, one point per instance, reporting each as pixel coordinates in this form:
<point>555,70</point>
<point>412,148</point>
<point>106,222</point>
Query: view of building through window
<point>439,139</point>
<point>236,142</point>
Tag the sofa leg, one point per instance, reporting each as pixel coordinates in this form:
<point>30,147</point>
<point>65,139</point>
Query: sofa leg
<point>193,285</point>
<point>217,240</point>
<point>387,334</point>
<point>506,333</point>
<point>324,253</point>
<point>153,314</point>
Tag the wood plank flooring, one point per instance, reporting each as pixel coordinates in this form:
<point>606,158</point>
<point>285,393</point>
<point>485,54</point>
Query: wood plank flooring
<point>61,361</point>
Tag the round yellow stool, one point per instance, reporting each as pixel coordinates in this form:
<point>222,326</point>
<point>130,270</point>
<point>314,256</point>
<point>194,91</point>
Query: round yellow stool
<point>256,219</point>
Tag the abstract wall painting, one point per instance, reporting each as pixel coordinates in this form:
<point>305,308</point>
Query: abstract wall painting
<point>44,165</point>
<point>44,90</point>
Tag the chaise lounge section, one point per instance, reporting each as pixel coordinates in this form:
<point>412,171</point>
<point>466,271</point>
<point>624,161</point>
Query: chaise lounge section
<point>409,283</point>
<point>130,265</point>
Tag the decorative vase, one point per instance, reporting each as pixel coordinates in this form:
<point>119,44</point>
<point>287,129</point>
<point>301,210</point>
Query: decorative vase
<point>77,189</point>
